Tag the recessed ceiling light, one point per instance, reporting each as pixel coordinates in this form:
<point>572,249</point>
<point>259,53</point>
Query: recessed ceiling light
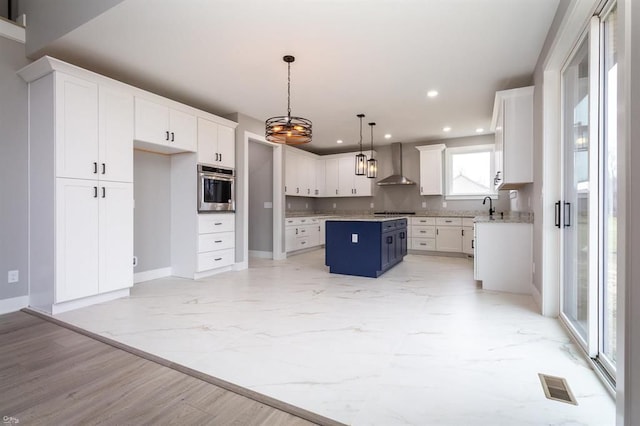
<point>432,93</point>
<point>339,141</point>
<point>446,129</point>
<point>479,130</point>
<point>387,136</point>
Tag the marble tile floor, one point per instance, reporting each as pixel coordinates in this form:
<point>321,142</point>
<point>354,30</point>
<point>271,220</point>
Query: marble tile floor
<point>421,345</point>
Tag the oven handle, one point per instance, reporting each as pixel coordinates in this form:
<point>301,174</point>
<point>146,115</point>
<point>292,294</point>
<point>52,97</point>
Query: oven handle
<point>217,177</point>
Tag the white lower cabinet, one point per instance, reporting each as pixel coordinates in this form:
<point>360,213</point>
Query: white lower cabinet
<point>94,247</point>
<point>503,260</point>
<point>216,241</point>
<point>303,232</point>
<point>449,234</point>
<point>467,236</point>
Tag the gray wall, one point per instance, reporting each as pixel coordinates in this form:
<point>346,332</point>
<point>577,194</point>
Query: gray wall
<point>13,169</point>
<point>152,213</point>
<point>260,191</point>
<point>401,198</point>
<point>49,20</point>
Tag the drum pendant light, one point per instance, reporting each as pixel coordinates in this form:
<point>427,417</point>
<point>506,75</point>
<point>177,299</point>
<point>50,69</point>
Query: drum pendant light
<point>288,129</point>
<point>361,159</point>
<point>372,163</point>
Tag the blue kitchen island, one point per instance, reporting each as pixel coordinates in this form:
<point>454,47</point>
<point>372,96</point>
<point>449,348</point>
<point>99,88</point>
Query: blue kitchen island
<point>366,247</point>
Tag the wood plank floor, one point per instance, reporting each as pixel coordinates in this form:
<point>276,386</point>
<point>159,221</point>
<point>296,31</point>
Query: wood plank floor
<point>52,375</point>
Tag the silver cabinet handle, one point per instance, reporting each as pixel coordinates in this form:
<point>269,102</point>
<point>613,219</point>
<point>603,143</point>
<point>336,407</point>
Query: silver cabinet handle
<point>95,167</point>
<point>217,259</point>
<point>104,168</point>
<point>217,241</point>
<point>104,192</point>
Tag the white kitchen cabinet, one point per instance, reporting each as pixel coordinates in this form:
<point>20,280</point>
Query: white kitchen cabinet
<point>93,130</point>
<point>216,144</point>
<point>172,130</point>
<point>503,256</point>
<point>216,241</point>
<point>449,234</point>
<point>300,173</point>
<point>77,246</point>
<point>332,183</point>
<point>94,250</point>
<point>349,184</point>
<point>321,173</point>
<point>431,169</point>
<point>513,126</point>
<point>76,126</point>
<point>115,134</point>
<point>303,232</point>
<point>467,236</point>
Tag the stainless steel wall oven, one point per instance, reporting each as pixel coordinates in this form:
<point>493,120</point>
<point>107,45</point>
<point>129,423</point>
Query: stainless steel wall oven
<point>216,188</point>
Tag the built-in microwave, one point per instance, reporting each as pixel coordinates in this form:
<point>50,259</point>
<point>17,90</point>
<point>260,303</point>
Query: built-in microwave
<point>215,188</point>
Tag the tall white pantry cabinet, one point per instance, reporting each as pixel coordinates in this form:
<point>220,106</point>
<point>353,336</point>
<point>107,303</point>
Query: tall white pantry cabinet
<point>80,189</point>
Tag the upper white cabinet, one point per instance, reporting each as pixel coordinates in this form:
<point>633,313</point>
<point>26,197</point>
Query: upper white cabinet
<point>158,124</point>
<point>216,144</point>
<point>93,129</point>
<point>321,173</point>
<point>300,173</point>
<point>513,126</point>
<point>341,180</point>
<point>431,169</point>
<point>332,183</point>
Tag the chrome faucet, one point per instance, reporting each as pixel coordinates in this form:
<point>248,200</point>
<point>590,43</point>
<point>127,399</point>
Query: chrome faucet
<point>491,209</point>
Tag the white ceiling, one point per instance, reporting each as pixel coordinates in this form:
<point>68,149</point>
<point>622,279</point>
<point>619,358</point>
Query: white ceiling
<point>377,57</point>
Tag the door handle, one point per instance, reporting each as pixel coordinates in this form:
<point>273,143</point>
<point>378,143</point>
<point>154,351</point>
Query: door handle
<point>472,245</point>
<point>557,214</point>
<point>389,240</point>
<point>104,168</point>
<point>167,136</point>
<point>104,192</point>
<point>173,137</point>
<point>95,167</point>
<point>95,192</point>
<point>463,232</point>
<point>220,157</point>
<point>567,216</point>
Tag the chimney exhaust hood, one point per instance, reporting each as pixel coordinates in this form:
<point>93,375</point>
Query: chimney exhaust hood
<point>397,178</point>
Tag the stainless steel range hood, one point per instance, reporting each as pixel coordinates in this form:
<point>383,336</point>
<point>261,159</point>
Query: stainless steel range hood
<point>397,178</point>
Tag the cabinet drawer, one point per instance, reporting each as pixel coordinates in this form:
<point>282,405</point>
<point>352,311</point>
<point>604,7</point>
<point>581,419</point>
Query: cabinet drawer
<point>215,259</point>
<point>215,222</point>
<point>216,241</point>
<point>389,225</point>
<point>422,221</point>
<point>467,221</point>
<point>296,221</point>
<point>449,221</point>
<point>303,242</point>
<point>423,231</point>
<point>423,244</point>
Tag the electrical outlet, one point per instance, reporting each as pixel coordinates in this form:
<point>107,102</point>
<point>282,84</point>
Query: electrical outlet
<point>424,204</point>
<point>13,276</point>
<point>306,205</point>
<point>334,205</point>
<point>444,204</point>
<point>288,205</point>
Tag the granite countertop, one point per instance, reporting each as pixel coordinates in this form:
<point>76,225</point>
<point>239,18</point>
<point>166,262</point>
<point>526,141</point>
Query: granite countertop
<point>366,218</point>
<point>510,217</point>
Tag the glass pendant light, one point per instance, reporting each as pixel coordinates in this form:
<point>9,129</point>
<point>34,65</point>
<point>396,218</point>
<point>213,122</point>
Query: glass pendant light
<point>372,163</point>
<point>361,159</point>
<point>287,129</point>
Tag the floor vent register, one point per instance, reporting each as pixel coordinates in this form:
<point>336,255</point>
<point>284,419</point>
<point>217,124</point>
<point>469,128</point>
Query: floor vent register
<point>556,388</point>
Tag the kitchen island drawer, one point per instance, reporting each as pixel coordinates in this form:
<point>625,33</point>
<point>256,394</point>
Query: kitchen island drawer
<point>423,244</point>
<point>215,259</point>
<point>216,241</point>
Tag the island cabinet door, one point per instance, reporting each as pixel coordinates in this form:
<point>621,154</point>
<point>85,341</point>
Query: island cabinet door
<point>401,246</point>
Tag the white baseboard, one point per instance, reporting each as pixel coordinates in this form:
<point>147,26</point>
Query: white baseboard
<point>58,308</point>
<point>205,274</point>
<point>152,274</point>
<point>261,254</point>
<point>241,266</point>
<point>14,304</point>
<point>537,297</point>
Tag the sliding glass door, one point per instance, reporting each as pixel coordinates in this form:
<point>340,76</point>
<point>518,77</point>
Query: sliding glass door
<point>587,212</point>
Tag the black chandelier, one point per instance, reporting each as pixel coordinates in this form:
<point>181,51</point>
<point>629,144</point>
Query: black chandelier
<point>287,129</point>
<point>372,163</point>
<point>361,159</point>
